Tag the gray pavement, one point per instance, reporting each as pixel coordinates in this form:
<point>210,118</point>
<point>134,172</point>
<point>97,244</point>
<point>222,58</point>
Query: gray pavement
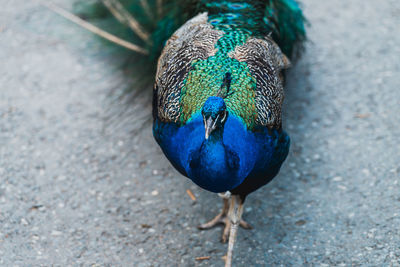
<point>81,185</point>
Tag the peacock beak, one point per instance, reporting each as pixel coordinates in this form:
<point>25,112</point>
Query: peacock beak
<point>210,125</point>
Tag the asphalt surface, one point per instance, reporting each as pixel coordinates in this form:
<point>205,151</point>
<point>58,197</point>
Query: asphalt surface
<point>81,184</point>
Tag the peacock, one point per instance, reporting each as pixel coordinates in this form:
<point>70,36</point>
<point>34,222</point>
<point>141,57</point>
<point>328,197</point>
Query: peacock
<point>218,90</point>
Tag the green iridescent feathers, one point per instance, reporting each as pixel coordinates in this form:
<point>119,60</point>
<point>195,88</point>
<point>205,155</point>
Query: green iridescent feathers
<point>206,77</point>
<point>281,18</point>
<point>247,16</point>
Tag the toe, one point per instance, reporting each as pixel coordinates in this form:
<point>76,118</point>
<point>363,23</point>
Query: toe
<point>245,225</point>
<point>225,233</point>
<point>218,219</point>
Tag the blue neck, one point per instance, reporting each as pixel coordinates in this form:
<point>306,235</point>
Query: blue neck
<point>215,164</point>
<point>216,136</point>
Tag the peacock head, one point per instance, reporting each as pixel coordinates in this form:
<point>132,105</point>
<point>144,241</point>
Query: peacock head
<point>214,114</point>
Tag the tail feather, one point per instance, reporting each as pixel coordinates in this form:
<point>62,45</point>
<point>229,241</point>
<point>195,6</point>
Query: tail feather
<point>287,21</point>
<point>123,16</point>
<point>96,30</point>
<point>147,23</point>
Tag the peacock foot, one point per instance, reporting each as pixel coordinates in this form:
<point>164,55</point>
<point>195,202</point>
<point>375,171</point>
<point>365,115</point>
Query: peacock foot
<point>222,218</point>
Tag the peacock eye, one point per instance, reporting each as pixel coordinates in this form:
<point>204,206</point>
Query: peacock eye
<point>223,115</point>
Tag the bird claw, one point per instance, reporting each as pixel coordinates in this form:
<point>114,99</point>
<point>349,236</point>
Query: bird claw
<point>245,225</point>
<point>222,218</point>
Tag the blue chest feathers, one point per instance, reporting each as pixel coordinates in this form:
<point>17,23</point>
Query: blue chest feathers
<point>227,158</point>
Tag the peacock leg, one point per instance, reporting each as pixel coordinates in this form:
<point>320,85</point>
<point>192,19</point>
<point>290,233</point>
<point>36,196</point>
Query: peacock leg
<point>235,216</point>
<point>222,218</point>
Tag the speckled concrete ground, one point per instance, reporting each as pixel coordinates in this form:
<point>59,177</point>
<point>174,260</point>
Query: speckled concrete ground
<point>79,187</point>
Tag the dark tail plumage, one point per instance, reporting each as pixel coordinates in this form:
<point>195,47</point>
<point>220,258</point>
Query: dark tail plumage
<point>159,19</point>
<point>287,22</point>
<point>154,20</point>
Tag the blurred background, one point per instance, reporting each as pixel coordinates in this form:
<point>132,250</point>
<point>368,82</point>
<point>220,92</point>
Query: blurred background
<point>82,182</point>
